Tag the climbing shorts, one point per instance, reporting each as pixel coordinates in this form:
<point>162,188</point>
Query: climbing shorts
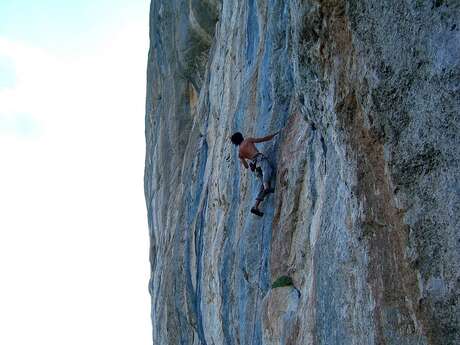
<point>264,172</point>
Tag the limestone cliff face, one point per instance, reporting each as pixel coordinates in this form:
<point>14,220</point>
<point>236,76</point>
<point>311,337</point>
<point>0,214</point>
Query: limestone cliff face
<point>365,216</point>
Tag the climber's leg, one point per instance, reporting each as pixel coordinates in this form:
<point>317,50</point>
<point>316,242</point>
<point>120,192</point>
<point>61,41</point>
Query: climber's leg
<point>255,209</point>
<point>264,173</point>
<point>267,175</point>
<point>260,197</point>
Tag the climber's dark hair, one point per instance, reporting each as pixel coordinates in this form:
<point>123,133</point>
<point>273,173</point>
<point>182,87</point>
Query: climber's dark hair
<point>237,138</point>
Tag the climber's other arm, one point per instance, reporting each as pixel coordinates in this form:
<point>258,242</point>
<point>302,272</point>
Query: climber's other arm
<point>243,161</point>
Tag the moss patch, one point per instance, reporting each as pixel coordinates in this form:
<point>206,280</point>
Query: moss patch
<point>282,281</point>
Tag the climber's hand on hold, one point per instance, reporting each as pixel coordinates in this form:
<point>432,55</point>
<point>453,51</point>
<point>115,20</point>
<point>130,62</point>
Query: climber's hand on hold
<point>262,139</point>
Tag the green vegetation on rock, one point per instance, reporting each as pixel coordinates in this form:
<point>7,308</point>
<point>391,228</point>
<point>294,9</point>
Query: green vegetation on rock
<point>282,281</point>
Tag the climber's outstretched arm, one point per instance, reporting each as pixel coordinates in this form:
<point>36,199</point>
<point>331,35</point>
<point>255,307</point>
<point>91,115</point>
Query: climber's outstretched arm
<point>261,140</point>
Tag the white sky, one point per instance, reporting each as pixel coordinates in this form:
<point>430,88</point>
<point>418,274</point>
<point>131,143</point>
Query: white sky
<point>73,234</point>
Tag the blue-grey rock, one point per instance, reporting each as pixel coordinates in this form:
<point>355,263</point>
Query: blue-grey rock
<point>365,214</point>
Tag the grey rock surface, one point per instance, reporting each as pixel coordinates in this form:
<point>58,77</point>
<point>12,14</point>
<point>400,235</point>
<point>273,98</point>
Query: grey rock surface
<point>365,214</point>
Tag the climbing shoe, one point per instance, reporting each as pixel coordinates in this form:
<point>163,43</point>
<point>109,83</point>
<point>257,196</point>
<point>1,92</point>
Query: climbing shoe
<point>257,212</point>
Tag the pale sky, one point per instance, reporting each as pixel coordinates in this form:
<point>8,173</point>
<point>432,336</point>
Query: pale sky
<point>73,232</point>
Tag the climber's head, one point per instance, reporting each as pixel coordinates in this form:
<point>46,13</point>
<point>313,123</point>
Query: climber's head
<point>237,138</point>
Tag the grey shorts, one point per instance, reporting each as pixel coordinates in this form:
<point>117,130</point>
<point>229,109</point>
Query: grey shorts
<point>264,172</point>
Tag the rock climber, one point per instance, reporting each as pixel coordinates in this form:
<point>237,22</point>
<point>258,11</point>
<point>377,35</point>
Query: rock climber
<point>259,164</point>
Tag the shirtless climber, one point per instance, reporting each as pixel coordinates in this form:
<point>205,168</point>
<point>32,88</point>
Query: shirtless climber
<point>259,164</point>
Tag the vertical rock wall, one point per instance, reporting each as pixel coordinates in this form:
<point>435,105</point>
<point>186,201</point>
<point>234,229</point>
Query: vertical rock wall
<point>365,216</point>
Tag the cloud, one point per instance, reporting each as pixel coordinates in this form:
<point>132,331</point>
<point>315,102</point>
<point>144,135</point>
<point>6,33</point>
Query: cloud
<point>73,214</point>
<point>52,87</point>
<point>18,124</point>
<point>7,73</point>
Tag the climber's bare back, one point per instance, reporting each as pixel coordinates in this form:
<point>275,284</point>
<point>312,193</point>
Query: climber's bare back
<point>247,149</point>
